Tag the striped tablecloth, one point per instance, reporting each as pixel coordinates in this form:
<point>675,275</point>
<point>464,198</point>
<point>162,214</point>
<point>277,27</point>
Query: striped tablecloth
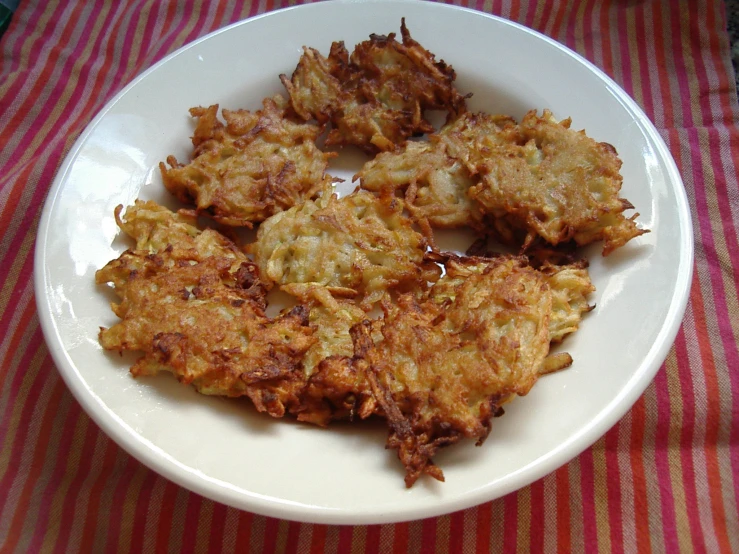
<point>665,479</point>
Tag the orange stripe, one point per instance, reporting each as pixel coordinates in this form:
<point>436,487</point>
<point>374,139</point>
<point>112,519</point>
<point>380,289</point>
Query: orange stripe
<point>641,498</point>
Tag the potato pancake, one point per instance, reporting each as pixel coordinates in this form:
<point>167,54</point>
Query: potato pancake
<point>257,164</point>
<point>375,98</point>
<point>193,304</point>
<point>358,245</point>
<point>543,179</point>
<point>446,365</point>
<point>435,185</point>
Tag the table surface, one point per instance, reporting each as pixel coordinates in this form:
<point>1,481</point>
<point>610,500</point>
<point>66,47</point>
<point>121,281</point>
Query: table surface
<point>664,479</point>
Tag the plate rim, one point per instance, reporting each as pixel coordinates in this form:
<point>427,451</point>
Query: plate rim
<point>167,466</point>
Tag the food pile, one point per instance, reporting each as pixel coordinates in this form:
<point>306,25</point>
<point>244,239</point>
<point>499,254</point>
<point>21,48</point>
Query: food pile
<point>384,324</point>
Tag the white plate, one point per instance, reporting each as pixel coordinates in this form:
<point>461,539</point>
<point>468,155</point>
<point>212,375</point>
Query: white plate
<point>223,449</point>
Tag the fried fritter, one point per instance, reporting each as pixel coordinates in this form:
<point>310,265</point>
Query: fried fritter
<point>545,180</point>
<point>447,364</point>
<point>336,389</point>
<point>194,305</point>
<point>257,164</point>
<point>375,98</point>
<point>359,244</point>
<point>435,184</point>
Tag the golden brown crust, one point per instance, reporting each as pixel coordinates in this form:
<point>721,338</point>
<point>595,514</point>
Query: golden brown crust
<point>357,245</point>
<point>435,184</point>
<point>375,98</point>
<point>543,179</point>
<point>257,164</point>
<point>194,306</point>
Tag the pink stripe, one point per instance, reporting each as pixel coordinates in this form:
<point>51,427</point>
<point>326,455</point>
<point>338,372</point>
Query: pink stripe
<point>613,487</point>
<point>662,462</point>
<point>587,485</point>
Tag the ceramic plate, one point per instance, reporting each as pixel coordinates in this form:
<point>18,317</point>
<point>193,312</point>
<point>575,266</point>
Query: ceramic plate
<point>226,451</point>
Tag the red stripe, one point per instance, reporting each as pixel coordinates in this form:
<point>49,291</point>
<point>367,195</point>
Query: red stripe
<point>345,538</point>
<point>243,531</point>
<point>484,515</point>
<point>510,521</point>
<point>372,542</point>
<point>192,518</point>
<point>318,540</point>
<point>564,525</point>
<point>217,528</point>
<point>164,523</point>
<point>400,539</point>
<point>456,533</point>
<point>428,536</point>
<point>605,34</point>
<point>536,518</point>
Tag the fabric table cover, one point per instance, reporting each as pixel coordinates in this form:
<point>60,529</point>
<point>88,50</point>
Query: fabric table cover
<point>664,479</point>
